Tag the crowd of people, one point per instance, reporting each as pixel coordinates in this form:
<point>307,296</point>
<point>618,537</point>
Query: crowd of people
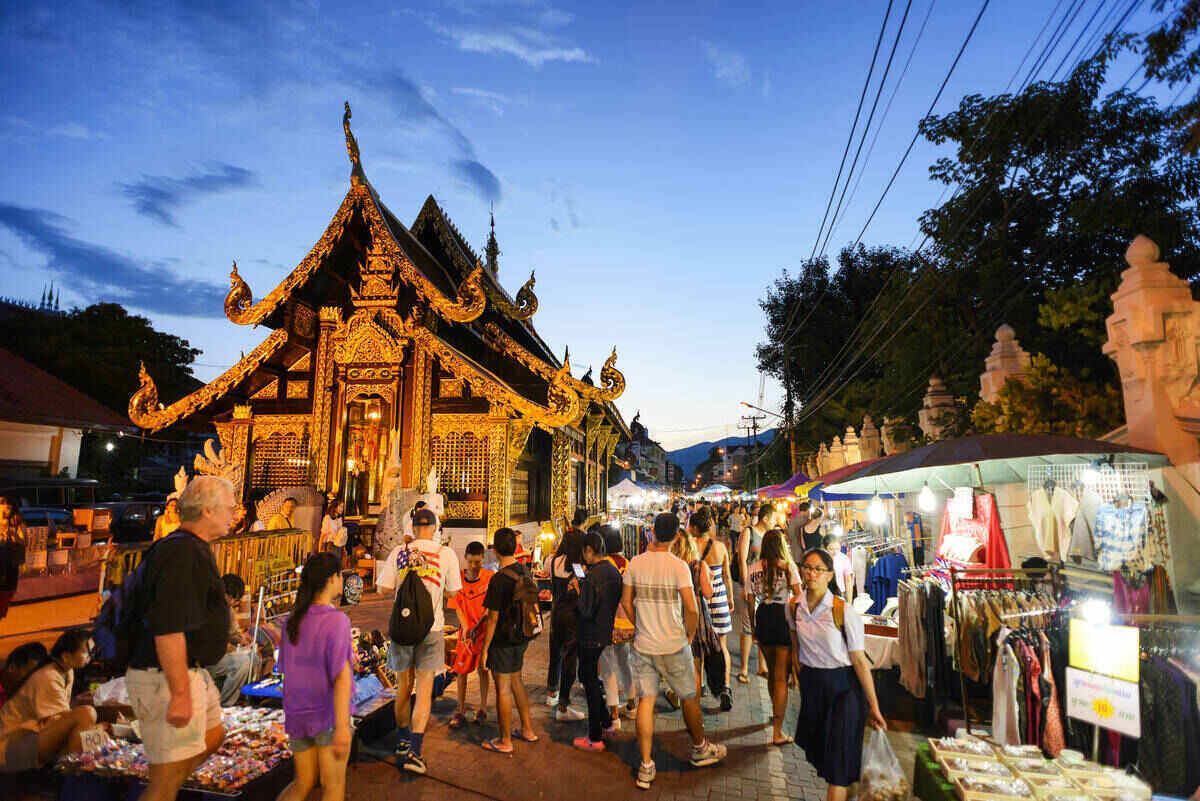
<point>627,626</point>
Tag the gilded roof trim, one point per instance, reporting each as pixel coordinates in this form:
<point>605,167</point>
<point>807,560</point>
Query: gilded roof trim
<point>146,412</point>
<point>526,302</point>
<point>612,381</point>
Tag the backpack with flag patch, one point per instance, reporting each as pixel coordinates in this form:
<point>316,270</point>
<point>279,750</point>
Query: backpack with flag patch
<point>412,613</point>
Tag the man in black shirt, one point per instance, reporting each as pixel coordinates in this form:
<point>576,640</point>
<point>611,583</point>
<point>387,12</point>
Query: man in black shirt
<point>181,602</point>
<point>503,655</point>
<point>599,597</point>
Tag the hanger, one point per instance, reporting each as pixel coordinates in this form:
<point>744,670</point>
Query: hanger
<point>1049,486</point>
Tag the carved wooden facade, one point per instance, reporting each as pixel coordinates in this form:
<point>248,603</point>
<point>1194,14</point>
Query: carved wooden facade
<point>392,339</point>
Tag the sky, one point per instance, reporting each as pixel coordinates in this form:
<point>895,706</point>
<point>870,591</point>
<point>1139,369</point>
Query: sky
<point>658,164</point>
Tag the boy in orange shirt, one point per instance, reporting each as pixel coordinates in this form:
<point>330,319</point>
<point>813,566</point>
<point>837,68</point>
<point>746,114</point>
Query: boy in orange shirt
<point>471,615</point>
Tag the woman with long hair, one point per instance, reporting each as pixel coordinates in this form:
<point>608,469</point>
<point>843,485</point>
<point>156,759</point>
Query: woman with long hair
<point>168,521</point>
<point>684,547</point>
<point>714,554</point>
<point>774,581</point>
<point>12,552</point>
<point>837,691</point>
<point>316,657</point>
<point>564,624</point>
<point>766,518</point>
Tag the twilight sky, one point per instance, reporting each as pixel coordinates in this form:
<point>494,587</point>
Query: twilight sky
<point>658,164</point>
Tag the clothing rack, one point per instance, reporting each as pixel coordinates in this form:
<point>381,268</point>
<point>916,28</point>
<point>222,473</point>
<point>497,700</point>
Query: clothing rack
<point>1109,481</point>
<point>1006,575</point>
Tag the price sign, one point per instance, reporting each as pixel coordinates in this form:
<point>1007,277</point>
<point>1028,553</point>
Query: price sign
<point>93,739</point>
<point>1104,701</point>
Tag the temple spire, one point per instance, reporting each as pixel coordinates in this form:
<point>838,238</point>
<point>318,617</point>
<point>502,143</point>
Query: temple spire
<point>492,249</point>
<point>357,176</point>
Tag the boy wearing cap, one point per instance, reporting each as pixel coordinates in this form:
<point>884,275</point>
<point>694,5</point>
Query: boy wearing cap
<point>417,664</point>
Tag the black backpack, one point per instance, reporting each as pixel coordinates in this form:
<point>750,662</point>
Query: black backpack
<point>524,620</point>
<point>121,620</point>
<point>412,614</point>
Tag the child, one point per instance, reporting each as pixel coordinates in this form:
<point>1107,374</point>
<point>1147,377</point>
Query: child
<point>316,658</point>
<point>469,603</point>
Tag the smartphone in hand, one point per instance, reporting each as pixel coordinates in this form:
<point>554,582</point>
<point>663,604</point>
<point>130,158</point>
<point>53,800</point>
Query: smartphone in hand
<point>579,570</point>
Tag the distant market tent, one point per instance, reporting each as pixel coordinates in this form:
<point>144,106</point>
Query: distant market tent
<point>715,491</point>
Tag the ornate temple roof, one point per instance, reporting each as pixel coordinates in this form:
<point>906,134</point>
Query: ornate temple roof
<point>460,312</point>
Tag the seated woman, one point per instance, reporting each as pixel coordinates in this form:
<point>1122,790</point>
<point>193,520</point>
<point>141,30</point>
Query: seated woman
<point>23,660</point>
<point>37,723</point>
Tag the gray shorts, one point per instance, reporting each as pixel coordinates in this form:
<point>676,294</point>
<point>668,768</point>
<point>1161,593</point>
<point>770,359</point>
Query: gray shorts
<point>677,670</point>
<point>507,659</point>
<point>20,752</point>
<point>743,612</point>
<point>322,739</point>
<point>429,654</point>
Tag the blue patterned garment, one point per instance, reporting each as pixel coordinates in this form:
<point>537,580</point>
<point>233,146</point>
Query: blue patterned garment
<point>1119,533</point>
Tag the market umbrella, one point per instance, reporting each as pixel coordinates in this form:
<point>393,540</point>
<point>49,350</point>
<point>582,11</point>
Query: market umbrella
<point>715,489</point>
<point>984,460</point>
<point>788,488</point>
<point>626,489</point>
<point>821,491</point>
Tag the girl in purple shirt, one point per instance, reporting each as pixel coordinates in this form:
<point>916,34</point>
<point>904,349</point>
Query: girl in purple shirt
<point>317,661</point>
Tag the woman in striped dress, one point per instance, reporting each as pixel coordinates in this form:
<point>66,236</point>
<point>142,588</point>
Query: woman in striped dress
<point>716,556</point>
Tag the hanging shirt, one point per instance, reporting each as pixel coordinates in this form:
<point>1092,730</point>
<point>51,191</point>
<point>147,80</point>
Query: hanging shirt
<point>1051,515</point>
<point>1081,530</point>
<point>883,580</point>
<point>1005,714</point>
<point>975,539</point>
<point>1118,533</point>
<point>858,558</point>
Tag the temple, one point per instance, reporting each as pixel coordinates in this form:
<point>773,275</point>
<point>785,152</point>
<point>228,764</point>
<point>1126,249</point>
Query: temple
<point>388,339</point>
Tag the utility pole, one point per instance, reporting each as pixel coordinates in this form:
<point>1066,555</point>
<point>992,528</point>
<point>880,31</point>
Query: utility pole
<point>750,423</point>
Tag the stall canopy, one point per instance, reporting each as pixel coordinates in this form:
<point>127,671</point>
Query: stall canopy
<point>787,489</point>
<point>821,490</point>
<point>985,460</point>
<point>713,490</point>
<point>626,489</point>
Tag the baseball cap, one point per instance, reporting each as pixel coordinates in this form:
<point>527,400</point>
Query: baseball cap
<point>424,517</point>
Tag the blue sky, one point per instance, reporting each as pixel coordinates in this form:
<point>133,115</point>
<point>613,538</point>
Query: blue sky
<point>658,164</point>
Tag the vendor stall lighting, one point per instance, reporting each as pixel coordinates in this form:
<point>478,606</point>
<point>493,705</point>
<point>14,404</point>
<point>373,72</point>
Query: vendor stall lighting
<point>926,501</point>
<point>1091,476</point>
<point>110,446</point>
<point>1096,611</point>
<point>838,530</point>
<point>875,511</point>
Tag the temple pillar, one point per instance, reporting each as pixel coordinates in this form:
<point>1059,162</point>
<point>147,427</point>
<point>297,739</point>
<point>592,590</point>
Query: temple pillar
<point>416,420</point>
<point>560,476</point>
<point>851,445</point>
<point>837,454</point>
<point>1153,336</point>
<point>937,406</point>
<point>322,415</point>
<point>870,445</point>
<point>1007,360</point>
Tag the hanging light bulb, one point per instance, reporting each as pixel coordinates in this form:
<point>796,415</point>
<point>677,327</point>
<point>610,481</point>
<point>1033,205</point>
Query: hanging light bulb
<point>926,501</point>
<point>1091,476</point>
<point>875,512</point>
<point>1096,611</point>
<point>838,530</point>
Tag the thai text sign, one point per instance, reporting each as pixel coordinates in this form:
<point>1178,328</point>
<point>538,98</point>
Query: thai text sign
<point>1104,701</point>
<point>1105,648</point>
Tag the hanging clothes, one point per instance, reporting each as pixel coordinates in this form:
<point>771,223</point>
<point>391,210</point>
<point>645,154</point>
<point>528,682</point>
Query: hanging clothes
<point>1168,752</point>
<point>1082,544</point>
<point>1052,516</point>
<point>1005,714</point>
<point>1053,741</point>
<point>913,641</point>
<point>1119,533</point>
<point>883,579</point>
<point>970,534</point>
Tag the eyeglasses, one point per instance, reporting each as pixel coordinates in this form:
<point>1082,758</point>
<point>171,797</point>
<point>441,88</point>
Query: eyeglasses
<point>815,569</point>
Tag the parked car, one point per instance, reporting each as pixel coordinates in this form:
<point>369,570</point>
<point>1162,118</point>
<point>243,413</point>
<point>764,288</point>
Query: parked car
<point>59,493</point>
<point>57,518</point>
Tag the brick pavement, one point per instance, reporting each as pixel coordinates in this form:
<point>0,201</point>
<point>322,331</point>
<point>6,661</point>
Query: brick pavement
<point>552,769</point>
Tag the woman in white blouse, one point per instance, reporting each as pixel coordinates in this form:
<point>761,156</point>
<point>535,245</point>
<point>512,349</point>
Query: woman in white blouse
<point>333,530</point>
<point>837,692</point>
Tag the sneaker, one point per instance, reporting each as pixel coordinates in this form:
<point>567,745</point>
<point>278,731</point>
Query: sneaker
<point>402,746</point>
<point>552,699</point>
<point>726,700</point>
<point>585,743</point>
<point>645,776</point>
<point>708,753</point>
<point>570,713</point>
<point>414,763</point>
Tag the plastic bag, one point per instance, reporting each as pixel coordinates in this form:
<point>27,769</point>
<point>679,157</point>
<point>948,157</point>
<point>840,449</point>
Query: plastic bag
<point>882,777</point>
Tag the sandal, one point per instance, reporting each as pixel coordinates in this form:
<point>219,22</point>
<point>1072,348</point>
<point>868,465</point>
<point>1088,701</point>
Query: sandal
<point>458,721</point>
<point>784,741</point>
<point>480,717</point>
<point>493,746</point>
<point>520,735</point>
<point>743,678</point>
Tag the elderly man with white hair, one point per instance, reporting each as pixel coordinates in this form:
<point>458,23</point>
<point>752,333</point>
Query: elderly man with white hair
<point>180,604</point>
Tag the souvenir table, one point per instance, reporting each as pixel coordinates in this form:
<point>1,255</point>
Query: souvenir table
<point>253,763</point>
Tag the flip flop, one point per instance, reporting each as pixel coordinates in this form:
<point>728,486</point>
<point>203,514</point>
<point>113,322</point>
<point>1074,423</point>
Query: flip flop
<point>520,735</point>
<point>490,745</point>
<point>785,741</point>
<point>743,678</point>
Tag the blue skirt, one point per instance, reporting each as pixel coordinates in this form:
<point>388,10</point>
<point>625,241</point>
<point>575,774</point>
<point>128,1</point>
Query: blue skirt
<point>833,716</point>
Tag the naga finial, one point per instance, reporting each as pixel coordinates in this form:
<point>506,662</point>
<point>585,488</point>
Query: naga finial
<point>239,299</point>
<point>611,379</point>
<point>144,403</point>
<point>357,177</point>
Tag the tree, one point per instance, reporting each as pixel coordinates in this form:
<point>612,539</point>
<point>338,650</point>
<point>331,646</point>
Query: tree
<point>1172,55</point>
<point>96,350</point>
<point>1051,401</point>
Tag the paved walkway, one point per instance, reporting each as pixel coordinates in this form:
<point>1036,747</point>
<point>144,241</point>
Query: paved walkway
<point>551,769</point>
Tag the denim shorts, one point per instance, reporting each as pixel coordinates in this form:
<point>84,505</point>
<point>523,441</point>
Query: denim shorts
<point>322,739</point>
<point>677,670</point>
<point>429,654</point>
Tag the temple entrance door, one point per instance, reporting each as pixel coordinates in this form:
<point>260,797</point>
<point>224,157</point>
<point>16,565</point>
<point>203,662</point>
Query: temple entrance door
<point>368,426</point>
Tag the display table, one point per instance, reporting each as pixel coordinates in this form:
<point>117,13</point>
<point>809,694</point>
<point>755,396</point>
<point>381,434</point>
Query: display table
<point>928,782</point>
<point>882,651</point>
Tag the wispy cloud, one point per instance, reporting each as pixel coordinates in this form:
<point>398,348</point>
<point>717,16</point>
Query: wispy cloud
<point>529,30</point>
<point>75,130</point>
<point>159,197</point>
<point>492,100</point>
<point>480,178</point>
<point>563,200</point>
<point>728,66</point>
<point>94,271</point>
